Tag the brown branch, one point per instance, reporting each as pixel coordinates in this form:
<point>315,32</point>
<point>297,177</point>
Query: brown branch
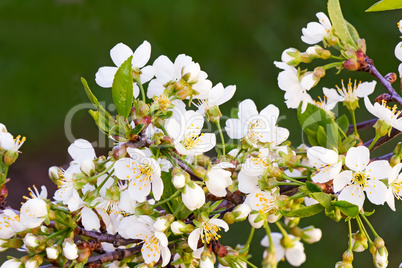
<point>383,157</point>
<point>394,133</point>
<point>117,255</point>
<point>117,240</point>
<point>367,65</point>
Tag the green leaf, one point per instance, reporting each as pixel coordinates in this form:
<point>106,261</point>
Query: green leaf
<point>168,190</point>
<point>322,198</point>
<point>343,123</point>
<point>137,129</point>
<point>339,23</point>
<point>353,32</point>
<point>102,118</point>
<point>347,208</point>
<point>304,211</point>
<point>104,123</point>
<point>122,88</point>
<point>315,118</point>
<point>385,5</point>
<point>312,187</point>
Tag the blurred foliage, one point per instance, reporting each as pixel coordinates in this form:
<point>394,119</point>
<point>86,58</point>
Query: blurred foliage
<point>47,45</point>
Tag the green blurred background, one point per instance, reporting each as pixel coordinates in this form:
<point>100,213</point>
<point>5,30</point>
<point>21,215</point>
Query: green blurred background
<point>47,45</point>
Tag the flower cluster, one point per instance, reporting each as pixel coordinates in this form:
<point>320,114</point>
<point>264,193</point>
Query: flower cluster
<point>163,197</point>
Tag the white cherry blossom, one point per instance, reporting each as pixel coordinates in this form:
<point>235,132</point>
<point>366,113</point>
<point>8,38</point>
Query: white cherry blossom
<point>155,243</point>
<point>263,201</point>
<point>256,127</point>
<point>217,95</point>
<point>362,177</point>
<point>326,162</point>
<point>119,54</point>
<point>10,224</point>
<point>167,71</point>
<point>398,51</point>
<point>35,209</point>
<point>207,230</point>
<point>141,172</point>
<point>315,32</point>
<point>187,136</point>
<point>294,255</point>
<point>295,87</point>
<point>384,112</point>
<point>350,93</point>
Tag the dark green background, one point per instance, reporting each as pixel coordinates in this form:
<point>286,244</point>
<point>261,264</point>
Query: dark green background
<point>46,46</point>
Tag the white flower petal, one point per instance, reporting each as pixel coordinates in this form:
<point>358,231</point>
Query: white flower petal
<point>105,75</point>
<point>352,195</point>
<point>376,192</point>
<point>81,150</point>
<point>120,53</point>
<point>193,238</point>
<point>164,69</point>
<point>342,180</point>
<point>142,54</point>
<point>357,158</point>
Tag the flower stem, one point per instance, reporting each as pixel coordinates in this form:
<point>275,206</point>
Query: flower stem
<point>178,209</point>
<point>283,231</point>
<point>168,199</point>
<point>350,235</point>
<point>268,231</point>
<point>249,263</point>
<point>218,124</point>
<point>362,229</point>
<point>370,226</point>
<point>352,112</point>
<point>100,174</point>
<point>374,141</point>
<point>142,90</point>
<point>250,237</point>
<point>292,180</point>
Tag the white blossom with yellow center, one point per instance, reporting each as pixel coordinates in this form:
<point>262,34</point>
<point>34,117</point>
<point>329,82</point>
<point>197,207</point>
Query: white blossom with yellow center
<point>187,136</point>
<point>206,232</point>
<point>141,172</point>
<point>263,201</point>
<point>35,209</point>
<point>384,112</point>
<point>394,186</point>
<point>256,128</point>
<point>362,177</point>
<point>217,96</point>
<point>10,224</point>
<point>349,93</point>
<point>155,243</point>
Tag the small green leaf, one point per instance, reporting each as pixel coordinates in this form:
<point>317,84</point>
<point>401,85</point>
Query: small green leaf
<point>322,198</point>
<point>339,23</point>
<point>137,129</point>
<point>322,137</point>
<point>353,32</point>
<point>385,5</point>
<point>347,208</point>
<point>312,187</point>
<point>168,190</point>
<point>304,211</point>
<point>369,213</point>
<point>343,123</point>
<point>122,88</point>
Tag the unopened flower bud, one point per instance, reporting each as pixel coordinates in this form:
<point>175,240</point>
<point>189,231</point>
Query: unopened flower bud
<point>359,241</point>
<point>203,160</point>
<point>207,260</point>
<point>342,264</point>
<point>361,44</point>
<point>395,160</point>
<point>193,196</point>
<point>3,128</point>
<point>291,56</point>
<point>31,241</point>
<point>351,65</point>
<point>311,234</point>
<point>347,256</point>
<point>53,252</point>
<point>179,227</point>
<point>213,114</point>
<point>229,218</point>
<point>380,257</point>
<point>70,250</point>
<point>200,171</point>
<point>32,263</point>
<point>269,259</point>
<point>88,167</point>
<point>179,179</point>
<point>241,212</point>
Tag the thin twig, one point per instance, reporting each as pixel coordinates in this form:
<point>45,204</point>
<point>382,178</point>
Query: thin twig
<point>383,157</point>
<point>117,255</point>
